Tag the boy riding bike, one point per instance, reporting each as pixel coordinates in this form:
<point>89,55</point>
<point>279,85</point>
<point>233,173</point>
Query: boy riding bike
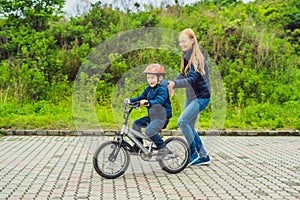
<point>156,98</point>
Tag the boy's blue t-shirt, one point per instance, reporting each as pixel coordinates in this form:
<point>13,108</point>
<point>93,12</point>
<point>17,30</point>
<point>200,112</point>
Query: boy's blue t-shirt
<point>159,100</point>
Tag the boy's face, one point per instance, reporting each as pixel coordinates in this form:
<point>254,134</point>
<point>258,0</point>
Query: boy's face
<point>153,80</point>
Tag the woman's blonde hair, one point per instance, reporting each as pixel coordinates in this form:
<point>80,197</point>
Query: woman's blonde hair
<point>197,58</point>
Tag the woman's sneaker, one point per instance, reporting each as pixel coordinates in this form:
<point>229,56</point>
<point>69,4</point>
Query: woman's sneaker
<point>194,157</point>
<point>202,161</point>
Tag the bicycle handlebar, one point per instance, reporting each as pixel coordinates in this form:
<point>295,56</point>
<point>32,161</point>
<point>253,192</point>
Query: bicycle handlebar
<point>132,105</point>
<point>135,104</point>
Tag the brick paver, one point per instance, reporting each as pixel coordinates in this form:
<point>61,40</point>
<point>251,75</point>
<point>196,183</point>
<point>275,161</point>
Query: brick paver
<point>56,167</point>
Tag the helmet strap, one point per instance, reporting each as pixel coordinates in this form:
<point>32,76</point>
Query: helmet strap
<point>158,79</point>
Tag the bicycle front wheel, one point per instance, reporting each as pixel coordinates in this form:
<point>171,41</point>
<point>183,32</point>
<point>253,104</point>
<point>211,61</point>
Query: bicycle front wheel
<point>111,160</point>
<point>176,161</point>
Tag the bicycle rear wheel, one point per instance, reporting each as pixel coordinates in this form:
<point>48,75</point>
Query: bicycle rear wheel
<point>111,160</point>
<point>176,161</point>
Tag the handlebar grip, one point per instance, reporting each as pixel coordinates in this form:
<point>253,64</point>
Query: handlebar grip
<point>135,104</point>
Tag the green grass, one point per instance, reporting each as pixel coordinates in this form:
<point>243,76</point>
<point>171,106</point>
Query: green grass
<point>264,116</point>
<point>46,115</point>
<point>38,115</point>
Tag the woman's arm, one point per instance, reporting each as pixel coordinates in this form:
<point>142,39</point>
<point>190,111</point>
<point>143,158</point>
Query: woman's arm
<point>191,79</point>
<point>172,83</point>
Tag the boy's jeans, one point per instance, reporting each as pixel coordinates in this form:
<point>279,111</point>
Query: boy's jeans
<point>152,128</point>
<point>187,121</point>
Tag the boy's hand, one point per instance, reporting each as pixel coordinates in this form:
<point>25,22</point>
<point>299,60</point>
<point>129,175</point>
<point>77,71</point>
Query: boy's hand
<point>127,100</point>
<point>144,102</point>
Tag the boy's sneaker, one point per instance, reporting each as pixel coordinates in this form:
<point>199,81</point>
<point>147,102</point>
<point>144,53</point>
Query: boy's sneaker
<point>202,161</point>
<point>162,153</point>
<point>194,157</point>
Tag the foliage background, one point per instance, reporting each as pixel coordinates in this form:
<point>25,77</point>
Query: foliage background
<point>255,46</point>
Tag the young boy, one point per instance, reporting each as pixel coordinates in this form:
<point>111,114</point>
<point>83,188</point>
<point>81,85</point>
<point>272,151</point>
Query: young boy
<point>156,98</point>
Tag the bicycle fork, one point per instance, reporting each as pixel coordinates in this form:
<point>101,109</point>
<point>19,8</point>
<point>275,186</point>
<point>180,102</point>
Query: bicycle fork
<point>116,148</point>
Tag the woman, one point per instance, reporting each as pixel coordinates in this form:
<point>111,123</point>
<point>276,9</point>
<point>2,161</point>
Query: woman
<point>194,77</point>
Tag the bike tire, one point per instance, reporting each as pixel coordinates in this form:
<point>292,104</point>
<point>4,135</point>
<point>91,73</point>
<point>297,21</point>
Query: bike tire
<point>107,168</point>
<point>179,158</point>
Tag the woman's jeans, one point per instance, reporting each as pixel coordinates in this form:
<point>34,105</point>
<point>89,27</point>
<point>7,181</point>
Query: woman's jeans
<point>153,126</point>
<point>187,121</point>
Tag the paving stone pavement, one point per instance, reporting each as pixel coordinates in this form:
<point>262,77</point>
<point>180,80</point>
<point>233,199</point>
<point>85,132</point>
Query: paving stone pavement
<point>56,167</point>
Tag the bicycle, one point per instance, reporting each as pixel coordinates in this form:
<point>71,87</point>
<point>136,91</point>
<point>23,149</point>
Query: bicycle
<point>112,158</point>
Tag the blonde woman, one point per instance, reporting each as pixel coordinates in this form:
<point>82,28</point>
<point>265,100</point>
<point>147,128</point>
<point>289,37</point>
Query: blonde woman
<point>194,76</point>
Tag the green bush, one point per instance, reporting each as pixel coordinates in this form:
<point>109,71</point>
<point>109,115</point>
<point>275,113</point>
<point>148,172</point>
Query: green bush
<point>255,46</point>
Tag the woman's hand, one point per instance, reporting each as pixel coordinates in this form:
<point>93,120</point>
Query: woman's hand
<point>144,102</point>
<point>171,84</point>
<point>171,88</point>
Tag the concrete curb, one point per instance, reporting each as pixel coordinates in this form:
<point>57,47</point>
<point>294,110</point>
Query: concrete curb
<point>164,132</point>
